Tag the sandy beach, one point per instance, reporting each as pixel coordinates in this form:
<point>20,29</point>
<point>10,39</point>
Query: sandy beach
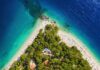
<point>71,40</point>
<point>28,42</point>
<point>68,38</point>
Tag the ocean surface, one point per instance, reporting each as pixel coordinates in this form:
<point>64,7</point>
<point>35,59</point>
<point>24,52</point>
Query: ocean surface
<point>17,19</point>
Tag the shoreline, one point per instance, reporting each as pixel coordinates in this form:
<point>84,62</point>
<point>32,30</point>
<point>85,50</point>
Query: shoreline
<point>25,45</point>
<point>68,38</point>
<point>71,40</point>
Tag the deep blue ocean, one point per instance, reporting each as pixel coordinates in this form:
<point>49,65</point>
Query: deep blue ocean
<point>16,23</point>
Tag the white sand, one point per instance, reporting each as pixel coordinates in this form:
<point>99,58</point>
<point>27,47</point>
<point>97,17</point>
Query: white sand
<point>71,40</point>
<point>29,41</point>
<point>68,38</point>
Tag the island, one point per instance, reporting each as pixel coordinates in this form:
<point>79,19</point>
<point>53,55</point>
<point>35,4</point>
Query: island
<point>48,52</point>
<point>50,48</point>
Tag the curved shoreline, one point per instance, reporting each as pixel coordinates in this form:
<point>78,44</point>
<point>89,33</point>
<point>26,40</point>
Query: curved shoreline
<point>68,38</point>
<point>71,40</point>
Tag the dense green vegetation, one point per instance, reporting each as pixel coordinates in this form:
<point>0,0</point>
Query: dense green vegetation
<point>64,58</point>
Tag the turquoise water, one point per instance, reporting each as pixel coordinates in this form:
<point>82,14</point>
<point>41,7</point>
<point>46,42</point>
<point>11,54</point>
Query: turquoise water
<point>17,31</point>
<point>64,25</point>
<point>83,18</point>
<point>16,24</point>
<point>17,20</point>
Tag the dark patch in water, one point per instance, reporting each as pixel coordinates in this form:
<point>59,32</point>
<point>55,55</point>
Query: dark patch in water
<point>33,7</point>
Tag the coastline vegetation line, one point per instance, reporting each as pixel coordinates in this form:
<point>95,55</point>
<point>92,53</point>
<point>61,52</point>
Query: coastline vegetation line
<point>48,52</point>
